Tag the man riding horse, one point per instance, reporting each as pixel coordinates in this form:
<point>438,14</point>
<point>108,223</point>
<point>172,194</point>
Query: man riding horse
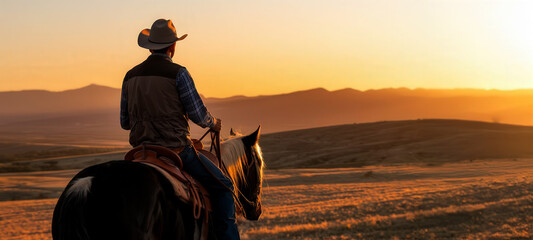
<point>158,98</point>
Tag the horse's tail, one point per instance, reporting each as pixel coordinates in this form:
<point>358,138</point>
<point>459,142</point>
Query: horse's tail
<point>68,221</point>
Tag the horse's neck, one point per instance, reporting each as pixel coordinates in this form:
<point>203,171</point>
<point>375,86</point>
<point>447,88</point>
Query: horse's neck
<point>232,153</point>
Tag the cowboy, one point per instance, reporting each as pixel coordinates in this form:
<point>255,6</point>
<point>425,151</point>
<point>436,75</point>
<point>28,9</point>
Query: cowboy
<point>158,98</point>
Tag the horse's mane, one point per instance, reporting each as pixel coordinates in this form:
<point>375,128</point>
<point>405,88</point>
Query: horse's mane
<point>233,154</point>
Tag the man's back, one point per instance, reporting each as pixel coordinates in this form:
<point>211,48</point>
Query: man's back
<point>154,107</point>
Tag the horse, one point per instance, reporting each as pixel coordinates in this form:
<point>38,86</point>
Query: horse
<point>129,200</point>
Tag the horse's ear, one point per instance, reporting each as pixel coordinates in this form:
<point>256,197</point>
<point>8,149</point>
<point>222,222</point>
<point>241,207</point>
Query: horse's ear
<point>252,139</point>
<point>231,132</point>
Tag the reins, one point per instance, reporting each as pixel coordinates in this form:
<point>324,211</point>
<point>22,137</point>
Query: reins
<point>215,144</point>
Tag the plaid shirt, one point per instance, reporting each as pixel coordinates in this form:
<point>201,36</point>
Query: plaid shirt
<point>192,103</point>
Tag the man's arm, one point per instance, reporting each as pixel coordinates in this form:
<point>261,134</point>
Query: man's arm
<point>193,104</point>
<point>124,117</point>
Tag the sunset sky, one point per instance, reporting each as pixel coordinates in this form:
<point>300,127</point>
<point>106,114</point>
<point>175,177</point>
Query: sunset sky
<point>275,46</point>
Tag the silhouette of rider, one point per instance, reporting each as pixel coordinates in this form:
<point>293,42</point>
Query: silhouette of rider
<point>158,98</point>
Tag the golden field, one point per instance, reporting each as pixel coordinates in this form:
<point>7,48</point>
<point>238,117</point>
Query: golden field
<point>422,179</point>
<point>490,199</point>
<point>456,201</point>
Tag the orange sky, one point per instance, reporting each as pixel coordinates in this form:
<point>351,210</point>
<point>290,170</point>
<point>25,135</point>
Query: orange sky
<point>267,47</point>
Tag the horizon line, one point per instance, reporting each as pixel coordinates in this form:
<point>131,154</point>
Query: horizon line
<point>296,91</point>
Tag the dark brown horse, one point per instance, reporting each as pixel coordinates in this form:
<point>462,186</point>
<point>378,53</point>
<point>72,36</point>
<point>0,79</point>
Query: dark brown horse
<point>128,200</point>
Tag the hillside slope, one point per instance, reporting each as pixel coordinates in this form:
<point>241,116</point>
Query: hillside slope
<point>428,142</point>
<point>419,142</point>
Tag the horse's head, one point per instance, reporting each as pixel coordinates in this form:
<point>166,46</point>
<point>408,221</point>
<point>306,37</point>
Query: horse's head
<point>251,201</point>
<point>245,166</point>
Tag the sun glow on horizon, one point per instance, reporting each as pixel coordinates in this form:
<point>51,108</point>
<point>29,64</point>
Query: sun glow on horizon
<point>271,47</point>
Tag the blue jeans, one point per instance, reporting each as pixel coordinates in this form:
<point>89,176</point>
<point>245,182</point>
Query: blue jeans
<point>221,198</point>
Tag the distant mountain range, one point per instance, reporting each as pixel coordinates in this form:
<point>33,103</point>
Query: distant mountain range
<point>36,102</point>
<point>96,109</point>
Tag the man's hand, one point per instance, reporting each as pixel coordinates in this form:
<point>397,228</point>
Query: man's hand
<point>218,126</point>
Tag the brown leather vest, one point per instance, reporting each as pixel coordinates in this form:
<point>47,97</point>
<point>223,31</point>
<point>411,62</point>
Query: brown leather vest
<point>156,113</point>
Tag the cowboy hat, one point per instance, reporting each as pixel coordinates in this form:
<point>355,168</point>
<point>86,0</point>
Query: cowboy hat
<point>161,35</point>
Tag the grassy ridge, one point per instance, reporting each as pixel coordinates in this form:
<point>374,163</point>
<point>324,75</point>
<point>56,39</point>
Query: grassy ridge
<point>427,142</point>
<point>76,159</point>
<point>53,152</point>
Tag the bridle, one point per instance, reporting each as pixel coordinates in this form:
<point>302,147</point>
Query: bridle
<point>215,145</point>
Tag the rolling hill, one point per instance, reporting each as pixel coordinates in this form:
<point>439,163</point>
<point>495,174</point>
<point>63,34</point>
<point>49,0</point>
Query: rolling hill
<point>426,142</point>
<point>430,142</point>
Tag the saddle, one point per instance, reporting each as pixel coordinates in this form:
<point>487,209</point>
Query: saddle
<point>186,188</point>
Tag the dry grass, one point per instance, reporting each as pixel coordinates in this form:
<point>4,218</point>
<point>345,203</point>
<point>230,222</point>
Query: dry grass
<point>490,200</point>
<point>480,200</point>
<point>34,185</point>
<point>26,219</point>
